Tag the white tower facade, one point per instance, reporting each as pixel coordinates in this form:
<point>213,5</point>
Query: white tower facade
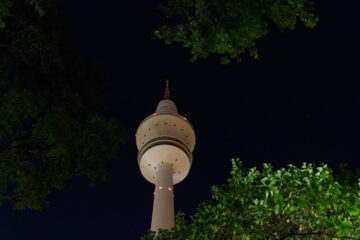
<point>165,141</point>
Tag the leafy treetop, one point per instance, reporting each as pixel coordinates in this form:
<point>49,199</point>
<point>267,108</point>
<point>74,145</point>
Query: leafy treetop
<point>292,203</point>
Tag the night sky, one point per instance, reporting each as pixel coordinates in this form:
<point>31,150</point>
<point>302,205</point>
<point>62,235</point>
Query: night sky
<point>299,102</point>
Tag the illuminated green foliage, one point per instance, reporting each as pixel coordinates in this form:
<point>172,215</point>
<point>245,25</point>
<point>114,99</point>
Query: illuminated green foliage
<point>229,27</point>
<point>51,128</point>
<point>292,203</point>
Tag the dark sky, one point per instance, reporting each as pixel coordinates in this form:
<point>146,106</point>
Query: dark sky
<point>299,102</point>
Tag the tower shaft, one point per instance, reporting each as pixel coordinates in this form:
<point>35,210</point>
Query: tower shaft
<point>163,209</point>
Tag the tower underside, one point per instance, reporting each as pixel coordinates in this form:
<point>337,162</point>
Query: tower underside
<point>165,154</point>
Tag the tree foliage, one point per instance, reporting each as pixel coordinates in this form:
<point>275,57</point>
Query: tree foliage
<point>6,7</point>
<point>51,126</point>
<point>292,203</point>
<point>229,27</point>
<point>346,176</point>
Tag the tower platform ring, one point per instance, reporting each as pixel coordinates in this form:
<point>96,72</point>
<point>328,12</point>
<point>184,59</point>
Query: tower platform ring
<point>165,140</point>
<point>165,124</point>
<point>165,151</point>
<point>164,114</point>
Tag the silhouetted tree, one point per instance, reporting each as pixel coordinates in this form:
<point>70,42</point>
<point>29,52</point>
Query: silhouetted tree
<point>292,204</point>
<point>347,177</point>
<point>228,27</point>
<point>51,126</point>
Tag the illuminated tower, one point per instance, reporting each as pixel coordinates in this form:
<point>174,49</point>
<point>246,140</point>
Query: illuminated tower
<point>165,141</point>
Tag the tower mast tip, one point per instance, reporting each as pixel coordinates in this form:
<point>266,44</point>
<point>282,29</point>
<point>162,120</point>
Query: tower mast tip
<point>167,91</point>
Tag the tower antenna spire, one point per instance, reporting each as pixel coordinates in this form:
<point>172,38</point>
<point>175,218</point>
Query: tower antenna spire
<point>167,91</point>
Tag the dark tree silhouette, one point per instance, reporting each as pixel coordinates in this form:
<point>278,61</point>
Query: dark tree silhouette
<point>51,126</point>
<point>228,27</point>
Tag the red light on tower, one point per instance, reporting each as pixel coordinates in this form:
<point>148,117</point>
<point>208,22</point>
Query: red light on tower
<point>169,189</point>
<point>185,118</point>
<point>154,114</point>
<point>160,187</point>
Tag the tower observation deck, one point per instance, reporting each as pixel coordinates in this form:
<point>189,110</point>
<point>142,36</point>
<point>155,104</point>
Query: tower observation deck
<point>165,141</point>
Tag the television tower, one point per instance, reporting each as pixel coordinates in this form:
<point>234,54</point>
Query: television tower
<point>165,141</point>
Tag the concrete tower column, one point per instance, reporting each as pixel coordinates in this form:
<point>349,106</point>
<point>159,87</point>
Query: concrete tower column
<point>163,208</point>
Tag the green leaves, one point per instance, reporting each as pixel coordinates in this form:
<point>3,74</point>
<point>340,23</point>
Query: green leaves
<point>6,8</point>
<point>229,28</point>
<point>37,6</point>
<point>293,204</point>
